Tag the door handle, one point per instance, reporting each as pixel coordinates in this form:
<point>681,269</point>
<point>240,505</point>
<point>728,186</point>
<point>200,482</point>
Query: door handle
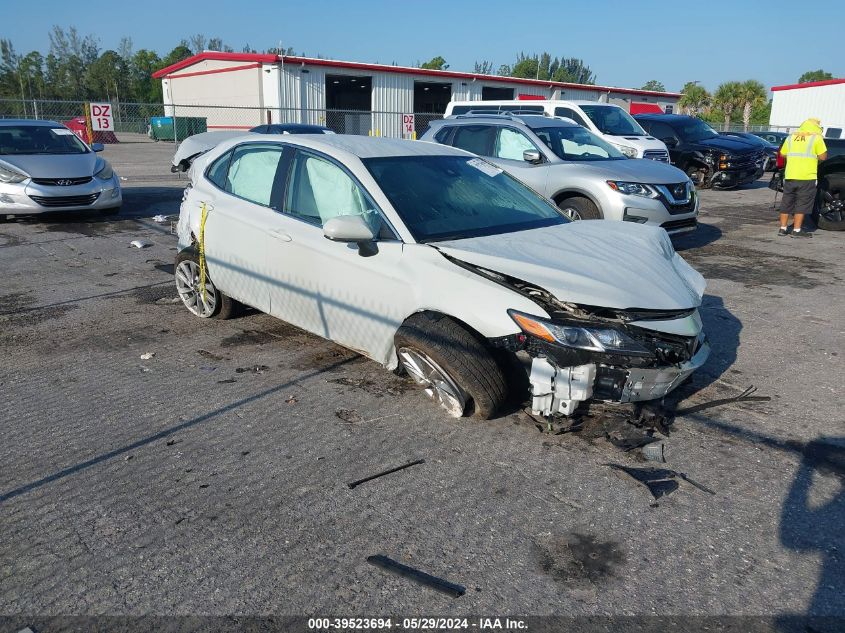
<point>281,235</point>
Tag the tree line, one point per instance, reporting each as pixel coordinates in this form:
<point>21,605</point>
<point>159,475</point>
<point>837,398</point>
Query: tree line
<point>76,69</point>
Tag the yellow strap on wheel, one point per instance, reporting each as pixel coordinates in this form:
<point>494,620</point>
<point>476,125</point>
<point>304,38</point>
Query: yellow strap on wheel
<point>201,248</point>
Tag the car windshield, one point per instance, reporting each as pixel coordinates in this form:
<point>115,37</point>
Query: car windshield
<point>39,139</point>
<point>613,120</point>
<point>695,130</point>
<point>455,197</point>
<point>577,143</point>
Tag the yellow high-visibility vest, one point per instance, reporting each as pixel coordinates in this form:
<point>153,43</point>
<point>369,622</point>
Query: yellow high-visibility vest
<point>802,151</point>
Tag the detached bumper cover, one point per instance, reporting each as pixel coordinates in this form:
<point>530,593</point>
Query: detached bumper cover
<point>559,390</point>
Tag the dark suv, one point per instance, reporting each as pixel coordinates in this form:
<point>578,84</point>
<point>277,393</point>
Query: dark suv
<point>708,158</point>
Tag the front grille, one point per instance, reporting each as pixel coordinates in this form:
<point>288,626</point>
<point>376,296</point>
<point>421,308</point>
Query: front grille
<point>659,155</point>
<point>674,225</point>
<point>746,161</point>
<point>677,198</point>
<point>66,201</point>
<point>62,182</point>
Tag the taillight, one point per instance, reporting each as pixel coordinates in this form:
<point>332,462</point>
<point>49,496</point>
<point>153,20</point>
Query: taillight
<point>781,161</point>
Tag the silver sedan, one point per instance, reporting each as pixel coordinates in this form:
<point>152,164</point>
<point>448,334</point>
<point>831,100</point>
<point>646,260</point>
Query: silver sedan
<point>44,167</point>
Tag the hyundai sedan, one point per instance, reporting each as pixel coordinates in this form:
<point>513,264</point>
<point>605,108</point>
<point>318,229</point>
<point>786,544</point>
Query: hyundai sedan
<point>44,167</point>
<point>429,259</point>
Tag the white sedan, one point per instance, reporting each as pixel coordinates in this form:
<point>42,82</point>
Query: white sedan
<point>428,258</point>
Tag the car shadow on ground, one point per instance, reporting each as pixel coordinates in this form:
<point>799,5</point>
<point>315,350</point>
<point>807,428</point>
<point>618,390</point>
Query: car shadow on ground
<point>702,236</point>
<point>813,526</point>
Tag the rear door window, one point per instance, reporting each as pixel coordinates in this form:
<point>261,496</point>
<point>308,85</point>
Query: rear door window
<point>478,139</point>
<point>217,172</point>
<point>252,172</point>
<point>834,132</point>
<point>661,130</point>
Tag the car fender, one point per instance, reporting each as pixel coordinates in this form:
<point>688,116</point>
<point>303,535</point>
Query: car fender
<point>447,288</point>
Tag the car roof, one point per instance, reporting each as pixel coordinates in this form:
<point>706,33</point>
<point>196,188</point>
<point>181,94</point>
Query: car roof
<point>344,145</point>
<point>32,122</point>
<point>530,120</point>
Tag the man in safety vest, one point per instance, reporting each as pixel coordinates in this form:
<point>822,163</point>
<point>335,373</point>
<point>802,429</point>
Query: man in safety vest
<point>803,151</point>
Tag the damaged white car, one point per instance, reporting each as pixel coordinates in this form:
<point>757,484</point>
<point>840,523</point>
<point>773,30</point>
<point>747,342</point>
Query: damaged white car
<point>427,258</point>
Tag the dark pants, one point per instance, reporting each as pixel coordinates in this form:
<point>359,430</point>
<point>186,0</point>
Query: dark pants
<point>799,196</point>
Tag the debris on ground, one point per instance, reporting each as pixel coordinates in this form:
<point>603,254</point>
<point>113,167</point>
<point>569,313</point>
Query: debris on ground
<point>654,452</point>
<point>147,355</point>
<point>390,471</point>
<point>228,381</point>
<point>140,243</point>
<point>210,355</point>
<point>255,369</point>
<point>167,301</point>
<point>291,400</point>
<point>348,415</point>
<point>745,396</point>
<point>660,482</point>
<point>438,584</point>
<point>161,219</point>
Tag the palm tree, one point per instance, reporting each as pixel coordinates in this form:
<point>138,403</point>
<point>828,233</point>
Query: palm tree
<point>752,94</point>
<point>694,98</point>
<point>728,98</point>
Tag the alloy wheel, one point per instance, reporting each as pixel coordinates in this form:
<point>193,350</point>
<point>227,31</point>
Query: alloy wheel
<point>436,381</point>
<point>188,287</point>
<point>571,213</point>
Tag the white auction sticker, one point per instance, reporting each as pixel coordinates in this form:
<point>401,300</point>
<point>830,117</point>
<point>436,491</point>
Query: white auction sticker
<point>484,167</point>
<point>61,131</point>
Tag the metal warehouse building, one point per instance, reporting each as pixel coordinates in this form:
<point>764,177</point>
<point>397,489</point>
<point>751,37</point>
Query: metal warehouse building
<point>352,97</point>
<point>825,100</point>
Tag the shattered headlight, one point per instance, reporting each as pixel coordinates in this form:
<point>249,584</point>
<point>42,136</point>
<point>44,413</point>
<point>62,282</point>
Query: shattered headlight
<point>632,188</point>
<point>11,176</point>
<point>593,339</point>
<point>104,170</point>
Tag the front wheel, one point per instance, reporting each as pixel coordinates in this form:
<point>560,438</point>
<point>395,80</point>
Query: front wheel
<point>579,209</point>
<point>204,303</point>
<point>454,367</point>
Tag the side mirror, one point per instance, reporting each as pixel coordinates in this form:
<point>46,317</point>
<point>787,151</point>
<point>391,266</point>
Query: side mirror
<point>532,156</point>
<point>670,142</point>
<point>351,228</point>
<point>97,147</point>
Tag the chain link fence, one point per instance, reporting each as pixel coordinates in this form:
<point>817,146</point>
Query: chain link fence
<point>175,122</point>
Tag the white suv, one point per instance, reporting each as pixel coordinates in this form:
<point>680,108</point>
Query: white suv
<point>605,120</point>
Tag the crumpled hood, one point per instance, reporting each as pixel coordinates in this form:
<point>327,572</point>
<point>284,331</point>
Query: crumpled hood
<point>52,165</point>
<point>608,264</point>
<point>631,169</point>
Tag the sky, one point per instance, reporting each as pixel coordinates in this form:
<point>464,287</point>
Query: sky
<point>625,43</point>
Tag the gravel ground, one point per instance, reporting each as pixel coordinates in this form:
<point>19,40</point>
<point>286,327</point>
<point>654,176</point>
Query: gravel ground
<point>211,479</point>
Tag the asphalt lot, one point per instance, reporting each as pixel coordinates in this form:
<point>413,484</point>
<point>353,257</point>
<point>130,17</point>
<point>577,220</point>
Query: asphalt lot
<point>212,478</point>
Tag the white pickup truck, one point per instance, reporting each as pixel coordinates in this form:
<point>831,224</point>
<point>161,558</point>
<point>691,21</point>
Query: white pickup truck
<point>606,120</point>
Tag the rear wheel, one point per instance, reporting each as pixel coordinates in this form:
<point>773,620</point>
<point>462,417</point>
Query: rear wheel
<point>453,365</point>
<point>830,209</point>
<point>210,303</point>
<point>579,208</point>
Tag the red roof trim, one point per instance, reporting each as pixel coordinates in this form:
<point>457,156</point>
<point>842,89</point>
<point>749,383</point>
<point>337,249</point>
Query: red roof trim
<point>446,74</point>
<point>215,56</point>
<point>809,84</point>
<point>214,71</point>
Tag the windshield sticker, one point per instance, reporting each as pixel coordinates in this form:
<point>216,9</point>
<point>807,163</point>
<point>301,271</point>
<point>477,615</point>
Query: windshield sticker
<point>61,131</point>
<point>484,167</point>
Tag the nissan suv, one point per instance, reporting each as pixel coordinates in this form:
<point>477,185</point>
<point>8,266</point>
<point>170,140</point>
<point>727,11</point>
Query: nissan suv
<point>587,177</point>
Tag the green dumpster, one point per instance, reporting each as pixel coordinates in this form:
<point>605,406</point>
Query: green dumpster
<point>161,127</point>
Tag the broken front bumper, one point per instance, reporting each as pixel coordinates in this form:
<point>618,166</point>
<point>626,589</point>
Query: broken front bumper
<point>559,390</point>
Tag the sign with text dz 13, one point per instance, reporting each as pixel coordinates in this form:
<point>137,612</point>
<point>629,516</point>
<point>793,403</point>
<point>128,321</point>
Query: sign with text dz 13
<point>101,117</point>
<point>407,124</point>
